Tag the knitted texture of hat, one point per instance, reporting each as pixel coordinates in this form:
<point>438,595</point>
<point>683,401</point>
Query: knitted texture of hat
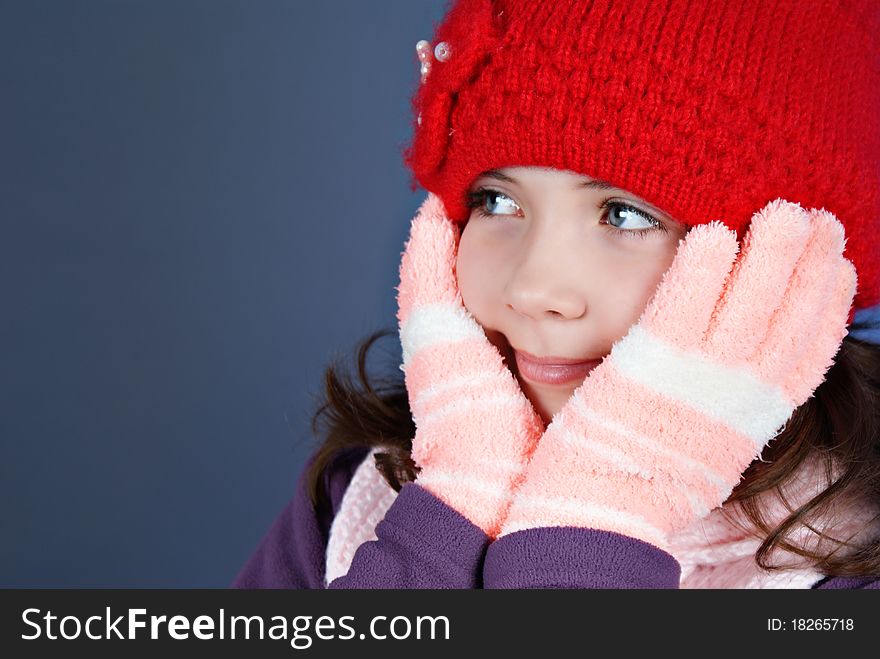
<point>708,110</point>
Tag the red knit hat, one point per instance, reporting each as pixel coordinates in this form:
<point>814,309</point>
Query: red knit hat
<point>707,110</point>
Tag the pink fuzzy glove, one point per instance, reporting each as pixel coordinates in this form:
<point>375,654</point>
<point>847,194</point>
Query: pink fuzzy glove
<point>475,429</point>
<point>661,431</point>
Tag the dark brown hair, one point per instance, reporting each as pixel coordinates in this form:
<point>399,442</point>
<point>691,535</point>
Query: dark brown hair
<point>840,423</point>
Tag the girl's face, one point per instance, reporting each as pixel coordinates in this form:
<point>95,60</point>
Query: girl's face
<point>556,265</point>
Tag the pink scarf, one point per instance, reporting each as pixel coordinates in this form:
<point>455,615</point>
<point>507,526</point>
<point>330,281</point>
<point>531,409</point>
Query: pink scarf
<point>718,553</point>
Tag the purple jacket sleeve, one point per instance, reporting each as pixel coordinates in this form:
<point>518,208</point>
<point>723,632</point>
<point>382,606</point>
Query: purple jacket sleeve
<point>568,557</point>
<point>849,583</point>
<point>421,542</point>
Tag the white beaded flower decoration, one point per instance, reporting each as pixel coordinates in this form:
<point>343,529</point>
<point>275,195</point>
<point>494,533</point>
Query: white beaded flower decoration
<point>441,52</point>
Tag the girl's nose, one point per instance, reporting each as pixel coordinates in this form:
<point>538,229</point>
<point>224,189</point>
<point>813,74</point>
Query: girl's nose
<point>537,304</point>
<point>541,289</point>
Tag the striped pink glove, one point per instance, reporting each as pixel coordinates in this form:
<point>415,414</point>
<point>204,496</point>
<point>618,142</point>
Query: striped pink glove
<point>474,427</point>
<point>661,431</point>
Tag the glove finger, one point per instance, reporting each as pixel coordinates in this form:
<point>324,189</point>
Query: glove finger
<point>805,301</point>
<point>819,356</point>
<point>427,267</point>
<point>777,238</point>
<point>680,309</point>
<point>431,313</point>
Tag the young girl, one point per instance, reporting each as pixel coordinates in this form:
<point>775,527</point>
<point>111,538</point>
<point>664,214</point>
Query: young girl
<point>638,313</point>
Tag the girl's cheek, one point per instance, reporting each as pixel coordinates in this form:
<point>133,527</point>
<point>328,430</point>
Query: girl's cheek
<point>642,259</point>
<point>469,267</point>
<point>481,246</point>
<point>654,244</point>
<point>622,285</point>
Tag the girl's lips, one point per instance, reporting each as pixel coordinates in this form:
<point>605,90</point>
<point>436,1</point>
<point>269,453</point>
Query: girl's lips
<point>545,373</point>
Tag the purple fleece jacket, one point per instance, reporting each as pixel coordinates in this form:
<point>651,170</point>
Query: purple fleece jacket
<point>423,543</point>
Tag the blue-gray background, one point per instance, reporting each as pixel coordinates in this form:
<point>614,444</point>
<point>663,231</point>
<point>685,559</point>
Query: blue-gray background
<point>203,203</point>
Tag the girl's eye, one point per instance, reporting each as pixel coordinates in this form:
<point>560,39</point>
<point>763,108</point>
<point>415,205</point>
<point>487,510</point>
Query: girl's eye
<point>619,218</point>
<point>490,203</point>
<point>626,216</point>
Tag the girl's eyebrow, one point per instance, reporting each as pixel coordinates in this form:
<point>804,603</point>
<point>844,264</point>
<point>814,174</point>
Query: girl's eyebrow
<point>596,183</point>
